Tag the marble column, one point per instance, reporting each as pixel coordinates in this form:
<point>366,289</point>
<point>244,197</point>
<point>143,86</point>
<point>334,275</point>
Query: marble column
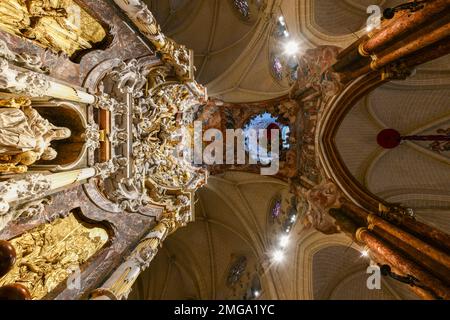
<point>180,58</point>
<point>119,285</point>
<point>33,187</point>
<point>425,233</point>
<point>386,240</point>
<point>392,31</point>
<point>36,85</point>
<point>404,24</point>
<point>407,267</point>
<point>430,251</point>
<point>418,41</point>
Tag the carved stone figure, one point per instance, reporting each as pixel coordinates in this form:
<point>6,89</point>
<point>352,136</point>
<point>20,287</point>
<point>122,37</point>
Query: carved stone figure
<point>322,198</point>
<point>313,73</point>
<point>25,136</point>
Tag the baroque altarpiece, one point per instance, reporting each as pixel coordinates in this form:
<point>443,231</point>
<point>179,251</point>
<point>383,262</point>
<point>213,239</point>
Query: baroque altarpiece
<point>88,165</point>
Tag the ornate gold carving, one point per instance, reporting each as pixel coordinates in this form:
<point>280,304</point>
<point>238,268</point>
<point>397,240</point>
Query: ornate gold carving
<point>15,102</point>
<point>29,83</point>
<point>31,187</point>
<point>371,218</point>
<point>395,213</point>
<point>149,173</point>
<point>362,51</point>
<point>374,65</point>
<point>48,254</point>
<point>396,71</point>
<point>93,136</point>
<point>178,56</point>
<point>359,234</point>
<point>13,168</point>
<point>60,25</point>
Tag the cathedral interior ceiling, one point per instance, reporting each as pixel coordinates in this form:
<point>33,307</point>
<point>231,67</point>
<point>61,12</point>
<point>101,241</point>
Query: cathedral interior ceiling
<point>243,47</point>
<point>231,219</point>
<point>232,211</point>
<point>416,106</point>
<point>230,52</point>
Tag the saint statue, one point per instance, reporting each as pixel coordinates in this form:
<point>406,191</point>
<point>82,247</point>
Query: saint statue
<point>25,136</point>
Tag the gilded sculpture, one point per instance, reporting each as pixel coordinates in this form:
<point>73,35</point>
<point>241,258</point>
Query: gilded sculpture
<point>60,25</point>
<point>25,136</point>
<point>154,137</point>
<point>48,254</point>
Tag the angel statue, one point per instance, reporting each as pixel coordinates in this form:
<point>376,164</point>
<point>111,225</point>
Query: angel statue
<point>25,136</point>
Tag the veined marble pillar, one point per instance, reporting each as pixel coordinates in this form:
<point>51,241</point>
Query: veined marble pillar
<point>36,85</point>
<point>398,40</point>
<point>393,244</point>
<point>402,25</point>
<point>435,254</point>
<point>118,286</point>
<point>423,39</point>
<point>420,231</point>
<point>424,278</point>
<point>35,186</point>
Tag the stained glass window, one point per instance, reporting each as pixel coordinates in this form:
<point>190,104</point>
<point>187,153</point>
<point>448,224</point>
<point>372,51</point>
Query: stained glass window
<point>254,290</point>
<point>243,7</point>
<point>237,271</point>
<point>281,28</point>
<point>283,66</point>
<point>277,68</point>
<point>276,209</point>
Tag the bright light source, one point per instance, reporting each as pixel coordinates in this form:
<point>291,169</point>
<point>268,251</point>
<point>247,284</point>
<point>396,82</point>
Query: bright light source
<point>291,48</point>
<point>286,33</point>
<point>293,218</point>
<point>281,20</point>
<point>364,254</point>
<point>284,241</point>
<point>257,293</point>
<point>278,256</point>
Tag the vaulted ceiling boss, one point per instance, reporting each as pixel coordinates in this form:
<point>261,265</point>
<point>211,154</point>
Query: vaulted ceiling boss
<point>136,138</point>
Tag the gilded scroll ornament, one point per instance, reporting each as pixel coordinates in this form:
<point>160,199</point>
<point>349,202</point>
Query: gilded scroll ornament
<point>60,25</point>
<point>47,254</point>
<point>106,102</point>
<point>25,136</point>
